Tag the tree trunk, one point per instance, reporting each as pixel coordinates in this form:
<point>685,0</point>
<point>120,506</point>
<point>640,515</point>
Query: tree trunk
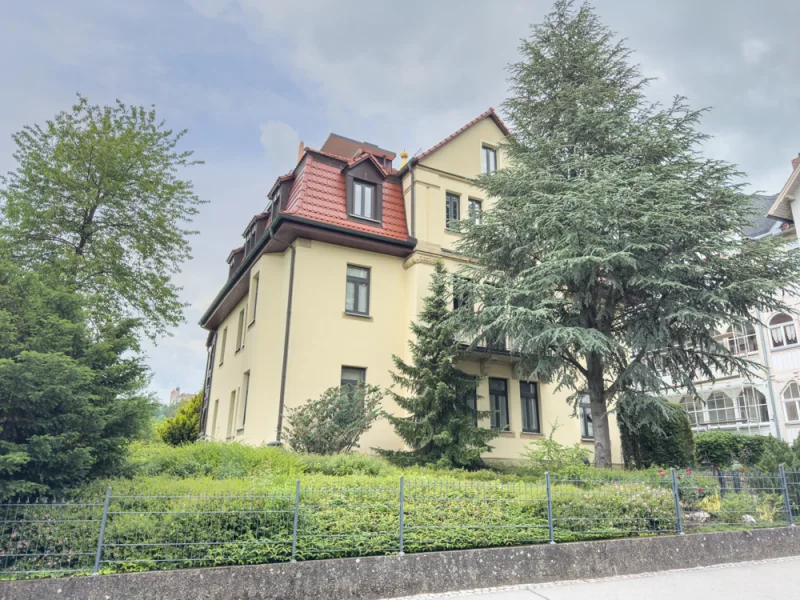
<point>597,403</point>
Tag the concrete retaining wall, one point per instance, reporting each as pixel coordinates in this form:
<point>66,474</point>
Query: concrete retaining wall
<point>389,576</point>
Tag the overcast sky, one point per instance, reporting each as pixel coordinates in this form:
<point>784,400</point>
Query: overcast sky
<point>251,78</point>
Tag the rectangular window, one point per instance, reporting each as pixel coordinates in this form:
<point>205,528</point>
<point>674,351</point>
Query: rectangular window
<point>255,297</point>
<point>352,377</point>
<point>471,400</point>
<point>357,295</point>
<point>222,347</point>
<point>488,160</point>
<point>241,414</point>
<point>498,403</point>
<point>364,200</point>
<point>475,208</point>
<point>452,204</point>
<point>231,415</point>
<point>587,428</point>
<point>214,419</point>
<point>529,395</point>
<point>240,331</point>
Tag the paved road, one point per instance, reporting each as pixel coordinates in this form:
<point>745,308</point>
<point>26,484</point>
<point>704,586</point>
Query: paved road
<point>765,580</point>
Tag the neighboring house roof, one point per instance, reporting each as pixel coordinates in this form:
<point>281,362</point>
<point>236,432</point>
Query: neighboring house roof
<point>234,252</point>
<point>347,147</point>
<point>489,114</point>
<point>781,208</point>
<point>319,194</point>
<point>761,223</point>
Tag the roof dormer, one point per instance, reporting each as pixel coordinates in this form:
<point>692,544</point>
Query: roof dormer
<point>364,177</point>
<point>234,260</point>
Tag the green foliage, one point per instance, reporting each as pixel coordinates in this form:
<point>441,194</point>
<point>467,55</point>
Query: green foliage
<point>184,427</point>
<point>777,452</point>
<point>723,449</point>
<point>96,192</point>
<point>441,427</point>
<point>162,411</point>
<point>70,398</point>
<point>548,455</point>
<point>612,253</point>
<point>669,443</point>
<point>335,421</point>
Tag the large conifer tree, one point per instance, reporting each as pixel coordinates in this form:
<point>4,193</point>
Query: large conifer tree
<point>442,423</point>
<point>613,252</point>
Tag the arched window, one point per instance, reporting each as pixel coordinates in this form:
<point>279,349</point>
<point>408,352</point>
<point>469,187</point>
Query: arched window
<point>791,401</point>
<point>693,406</point>
<point>782,331</point>
<point>720,408</point>
<point>742,339</point>
<point>753,406</point>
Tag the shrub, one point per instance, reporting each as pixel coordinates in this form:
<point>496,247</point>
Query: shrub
<point>184,427</point>
<point>549,456</point>
<point>335,421</point>
<point>722,449</point>
<point>646,446</point>
<point>777,452</point>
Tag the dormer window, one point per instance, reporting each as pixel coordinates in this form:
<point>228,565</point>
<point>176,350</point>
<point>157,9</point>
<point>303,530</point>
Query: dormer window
<point>488,159</point>
<point>364,200</point>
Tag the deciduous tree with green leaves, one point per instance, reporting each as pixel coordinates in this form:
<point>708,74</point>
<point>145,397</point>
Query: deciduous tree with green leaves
<point>613,251</point>
<point>442,424</point>
<point>98,191</point>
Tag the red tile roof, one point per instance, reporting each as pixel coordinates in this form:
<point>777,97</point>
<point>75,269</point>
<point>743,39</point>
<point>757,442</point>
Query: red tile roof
<point>319,194</point>
<point>489,113</point>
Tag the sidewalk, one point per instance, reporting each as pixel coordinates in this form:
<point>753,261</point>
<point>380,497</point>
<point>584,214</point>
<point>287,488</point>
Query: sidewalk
<point>764,580</point>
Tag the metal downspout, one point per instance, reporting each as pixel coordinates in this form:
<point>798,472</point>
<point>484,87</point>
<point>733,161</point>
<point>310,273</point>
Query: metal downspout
<point>413,199</point>
<point>286,346</point>
<point>768,371</point>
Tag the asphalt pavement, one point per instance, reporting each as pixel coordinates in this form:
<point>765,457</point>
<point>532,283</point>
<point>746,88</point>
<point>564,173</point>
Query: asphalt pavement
<point>763,580</point>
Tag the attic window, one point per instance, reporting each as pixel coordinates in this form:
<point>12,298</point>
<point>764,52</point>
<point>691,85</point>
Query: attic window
<point>364,200</point>
<point>488,159</point>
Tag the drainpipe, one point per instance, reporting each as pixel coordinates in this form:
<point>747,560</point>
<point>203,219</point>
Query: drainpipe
<point>768,371</point>
<point>281,400</point>
<point>413,198</point>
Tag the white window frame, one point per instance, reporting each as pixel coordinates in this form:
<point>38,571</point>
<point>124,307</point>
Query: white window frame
<point>780,330</point>
<point>360,196</point>
<point>793,400</point>
<point>741,340</point>
<point>241,409</point>
<point>697,416</point>
<point>488,151</point>
<point>587,423</point>
<point>756,405</point>
<point>715,397</point>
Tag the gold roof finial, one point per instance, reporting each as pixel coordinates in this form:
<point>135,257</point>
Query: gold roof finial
<point>403,157</point>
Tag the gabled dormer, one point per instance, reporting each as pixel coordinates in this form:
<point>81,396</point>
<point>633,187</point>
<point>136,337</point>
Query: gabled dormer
<point>234,260</point>
<point>364,178</point>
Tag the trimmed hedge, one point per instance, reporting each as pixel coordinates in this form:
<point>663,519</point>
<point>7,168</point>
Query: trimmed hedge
<point>722,448</point>
<point>672,448</point>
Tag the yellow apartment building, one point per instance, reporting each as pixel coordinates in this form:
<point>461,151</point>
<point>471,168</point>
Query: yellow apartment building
<point>332,273</point>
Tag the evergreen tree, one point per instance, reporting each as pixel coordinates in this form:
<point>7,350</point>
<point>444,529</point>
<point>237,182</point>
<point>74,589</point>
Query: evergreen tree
<point>442,422</point>
<point>70,397</point>
<point>184,427</point>
<point>612,253</point>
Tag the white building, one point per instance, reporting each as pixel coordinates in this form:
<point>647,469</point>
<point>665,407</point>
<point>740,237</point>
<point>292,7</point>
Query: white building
<point>770,403</point>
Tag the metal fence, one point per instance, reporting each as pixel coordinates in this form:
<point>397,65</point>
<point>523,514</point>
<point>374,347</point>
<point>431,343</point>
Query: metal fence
<point>131,532</point>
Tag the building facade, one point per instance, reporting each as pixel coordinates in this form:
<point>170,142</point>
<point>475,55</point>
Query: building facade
<point>769,403</point>
<point>330,276</point>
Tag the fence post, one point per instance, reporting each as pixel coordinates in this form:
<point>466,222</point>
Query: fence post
<point>296,515</point>
<point>402,512</point>
<point>102,532</point>
<point>549,509</point>
<point>676,495</point>
<point>786,501</point>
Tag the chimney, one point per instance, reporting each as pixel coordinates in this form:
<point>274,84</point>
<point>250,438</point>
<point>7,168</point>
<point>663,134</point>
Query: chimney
<point>403,158</point>
<point>300,151</point>
<point>796,161</point>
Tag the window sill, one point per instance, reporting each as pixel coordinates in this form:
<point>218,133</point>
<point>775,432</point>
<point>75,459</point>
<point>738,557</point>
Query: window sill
<point>531,434</point>
<point>508,434</point>
<point>587,440</point>
<point>251,323</point>
<point>451,231</point>
<point>240,431</point>
<point>357,316</point>
<point>793,422</point>
<point>367,220</point>
<point>782,348</point>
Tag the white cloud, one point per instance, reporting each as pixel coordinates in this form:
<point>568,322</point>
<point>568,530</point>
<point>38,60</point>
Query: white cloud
<point>281,143</point>
<point>753,50</point>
